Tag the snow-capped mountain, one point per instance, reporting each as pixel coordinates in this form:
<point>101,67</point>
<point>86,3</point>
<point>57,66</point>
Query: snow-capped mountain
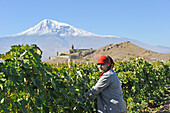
<point>52,36</point>
<point>48,26</point>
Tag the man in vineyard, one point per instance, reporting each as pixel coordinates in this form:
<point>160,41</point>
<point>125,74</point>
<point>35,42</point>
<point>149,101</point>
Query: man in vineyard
<point>108,89</point>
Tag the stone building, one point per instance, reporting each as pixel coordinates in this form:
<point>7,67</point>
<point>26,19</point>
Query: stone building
<point>71,54</point>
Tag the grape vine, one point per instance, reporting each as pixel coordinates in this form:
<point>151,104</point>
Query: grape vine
<point>29,85</point>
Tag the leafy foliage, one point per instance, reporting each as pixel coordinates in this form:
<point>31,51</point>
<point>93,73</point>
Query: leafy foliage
<point>29,85</point>
<point>143,83</point>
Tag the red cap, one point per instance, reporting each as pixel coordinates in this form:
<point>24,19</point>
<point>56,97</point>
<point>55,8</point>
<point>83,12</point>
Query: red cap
<point>103,60</point>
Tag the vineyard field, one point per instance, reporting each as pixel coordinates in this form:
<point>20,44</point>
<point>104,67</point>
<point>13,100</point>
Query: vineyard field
<point>28,85</point>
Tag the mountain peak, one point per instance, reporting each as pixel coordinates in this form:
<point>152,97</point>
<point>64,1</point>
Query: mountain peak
<point>48,26</point>
<point>52,23</point>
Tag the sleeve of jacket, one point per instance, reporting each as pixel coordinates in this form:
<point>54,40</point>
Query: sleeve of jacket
<point>102,83</point>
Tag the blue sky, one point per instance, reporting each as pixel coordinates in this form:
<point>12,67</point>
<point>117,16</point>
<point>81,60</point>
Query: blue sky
<point>144,20</point>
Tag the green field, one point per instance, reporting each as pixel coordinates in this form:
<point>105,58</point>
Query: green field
<point>29,85</point>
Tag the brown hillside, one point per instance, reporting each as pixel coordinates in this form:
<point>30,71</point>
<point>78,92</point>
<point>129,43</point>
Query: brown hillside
<point>121,51</point>
<point>125,51</point>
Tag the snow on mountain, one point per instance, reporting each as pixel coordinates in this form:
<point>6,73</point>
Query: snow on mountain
<point>48,26</point>
<point>52,36</point>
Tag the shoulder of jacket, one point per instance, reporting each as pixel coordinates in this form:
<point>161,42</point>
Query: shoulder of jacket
<point>109,73</point>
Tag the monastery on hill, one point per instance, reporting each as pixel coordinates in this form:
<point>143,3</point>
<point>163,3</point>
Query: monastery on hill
<point>70,55</point>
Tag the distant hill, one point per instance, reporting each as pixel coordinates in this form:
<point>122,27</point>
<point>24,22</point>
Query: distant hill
<point>119,52</point>
<point>126,50</point>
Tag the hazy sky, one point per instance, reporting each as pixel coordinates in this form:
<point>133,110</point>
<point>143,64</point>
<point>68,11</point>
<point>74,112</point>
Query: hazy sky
<point>144,20</point>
